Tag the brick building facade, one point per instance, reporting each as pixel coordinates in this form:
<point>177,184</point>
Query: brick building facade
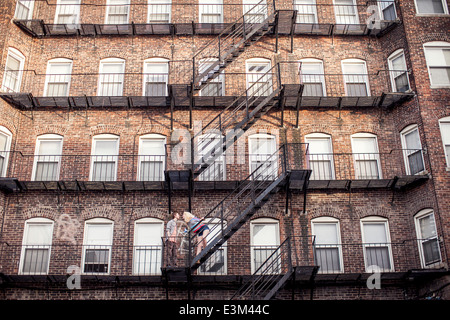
<point>340,160</point>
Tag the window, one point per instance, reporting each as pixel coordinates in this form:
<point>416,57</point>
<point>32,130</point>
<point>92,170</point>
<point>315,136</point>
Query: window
<point>97,245</point>
<point>306,11</point>
<point>444,123</point>
<point>265,239</point>
<point>152,157</point>
<point>217,262</point>
<point>437,55</point>
<point>57,80</point>
<point>117,11</point>
<point>47,159</point>
<point>148,233</point>
<point>346,12</point>
<point>13,71</point>
<point>327,244</point>
<point>111,77</point>
<point>159,11</point>
<point>355,78</point>
<point>412,150</point>
<point>67,11</point>
<point>36,246</point>
<point>366,156</point>
<point>208,145</point>
<point>398,71</point>
<point>24,10</point>
<point>263,162</point>
<point>430,253</point>
<point>215,86</point>
<point>376,243</point>
<point>431,6</point>
<point>105,151</point>
<point>313,78</point>
<point>387,9</point>
<point>210,11</point>
<point>259,79</point>
<point>255,11</point>
<point>156,76</point>
<point>320,156</point>
<point>5,145</point>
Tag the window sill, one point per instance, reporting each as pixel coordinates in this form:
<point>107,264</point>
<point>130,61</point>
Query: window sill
<point>428,15</point>
<point>440,87</point>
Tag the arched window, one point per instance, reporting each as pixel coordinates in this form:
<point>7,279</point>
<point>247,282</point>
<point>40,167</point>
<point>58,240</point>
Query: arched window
<point>211,11</point>
<point>111,77</point>
<point>57,80</point>
<point>12,77</point>
<point>67,11</point>
<point>427,238</point>
<point>5,147</point>
<point>265,239</point>
<point>156,77</point>
<point>117,11</point>
<point>346,12</point>
<point>412,150</point>
<point>147,253</point>
<point>398,71</point>
<point>255,11</point>
<point>217,262</point>
<point>437,55</point>
<point>152,157</point>
<point>259,79</point>
<point>320,156</point>
<point>431,6</point>
<point>159,11</point>
<point>444,124</point>
<point>306,11</point>
<point>215,86</point>
<point>24,10</point>
<point>36,246</point>
<point>366,156</point>
<point>356,79</point>
<point>262,149</point>
<point>208,145</point>
<point>104,157</point>
<point>313,77</point>
<point>47,157</point>
<point>327,244</point>
<point>97,246</point>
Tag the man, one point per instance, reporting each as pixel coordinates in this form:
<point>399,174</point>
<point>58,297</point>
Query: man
<point>171,240</point>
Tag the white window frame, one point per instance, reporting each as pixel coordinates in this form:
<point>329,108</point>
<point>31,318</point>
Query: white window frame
<point>148,248</point>
<point>214,225</point>
<point>420,239</point>
<point>433,45</point>
<point>57,76</point>
<point>253,245</point>
<point>107,247</point>
<point>355,19</point>
<point>208,7</point>
<point>154,7</point>
<point>121,76</point>
<point>4,154</point>
<point>306,7</point>
<point>110,5</point>
<point>110,158</point>
<point>371,157</point>
<point>363,76</point>
<point>143,157</point>
<point>29,5</point>
<point>336,223</point>
<point>445,141</point>
<point>444,5</point>
<point>160,77</point>
<point>253,77</point>
<point>15,54</point>
<point>314,78</point>
<point>263,157</point>
<point>406,151</point>
<point>73,7</point>
<point>254,11</point>
<point>321,157</point>
<point>385,222</point>
<point>25,244</point>
<point>393,74</point>
<point>203,65</point>
<point>47,158</point>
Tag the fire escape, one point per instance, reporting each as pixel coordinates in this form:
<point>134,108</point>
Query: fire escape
<point>271,174</point>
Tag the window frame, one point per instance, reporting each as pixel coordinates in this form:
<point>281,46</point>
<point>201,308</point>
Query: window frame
<point>113,61</point>
<point>338,245</point>
<point>8,134</point>
<point>420,240</point>
<point>165,3</point>
<point>30,9</point>
<point>147,72</point>
<point>96,221</point>
<point>273,148</point>
<point>39,140</point>
<point>60,6</point>
<point>262,221</point>
<point>136,245</point>
<point>267,63</point>
<point>221,158</point>
<point>321,136</point>
<point>17,55</point>
<point>104,137</point>
<point>208,3</point>
<point>108,9</point>
<point>151,137</point>
<point>203,65</point>
<point>366,135</point>
<point>305,9</point>
<point>397,54</point>
<point>385,222</point>
<point>403,134</point>
<point>321,75</point>
<point>447,156</point>
<point>444,5</point>
<point>356,16</point>
<point>433,45</point>
<point>35,221</point>
<point>365,75</point>
<point>59,61</point>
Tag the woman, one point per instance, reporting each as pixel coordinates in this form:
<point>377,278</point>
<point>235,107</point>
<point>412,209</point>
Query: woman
<point>200,229</point>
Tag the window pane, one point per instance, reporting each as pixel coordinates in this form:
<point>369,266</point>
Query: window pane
<point>327,259</point>
<point>99,234</point>
<point>46,171</point>
<point>35,260</point>
<point>378,256</point>
<point>96,260</point>
<point>431,251</point>
<point>105,147</point>
<point>306,11</point>
<point>415,162</point>
<point>412,140</point>
<point>430,6</point>
<point>159,11</point>
<point>3,141</point>
<point>440,76</point>
<point>326,233</point>
<point>265,234</point>
<point>151,170</point>
<point>39,234</point>
<point>375,233</point>
<point>427,226</point>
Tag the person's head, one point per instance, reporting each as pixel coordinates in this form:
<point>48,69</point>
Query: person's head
<point>175,215</point>
<point>187,216</point>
